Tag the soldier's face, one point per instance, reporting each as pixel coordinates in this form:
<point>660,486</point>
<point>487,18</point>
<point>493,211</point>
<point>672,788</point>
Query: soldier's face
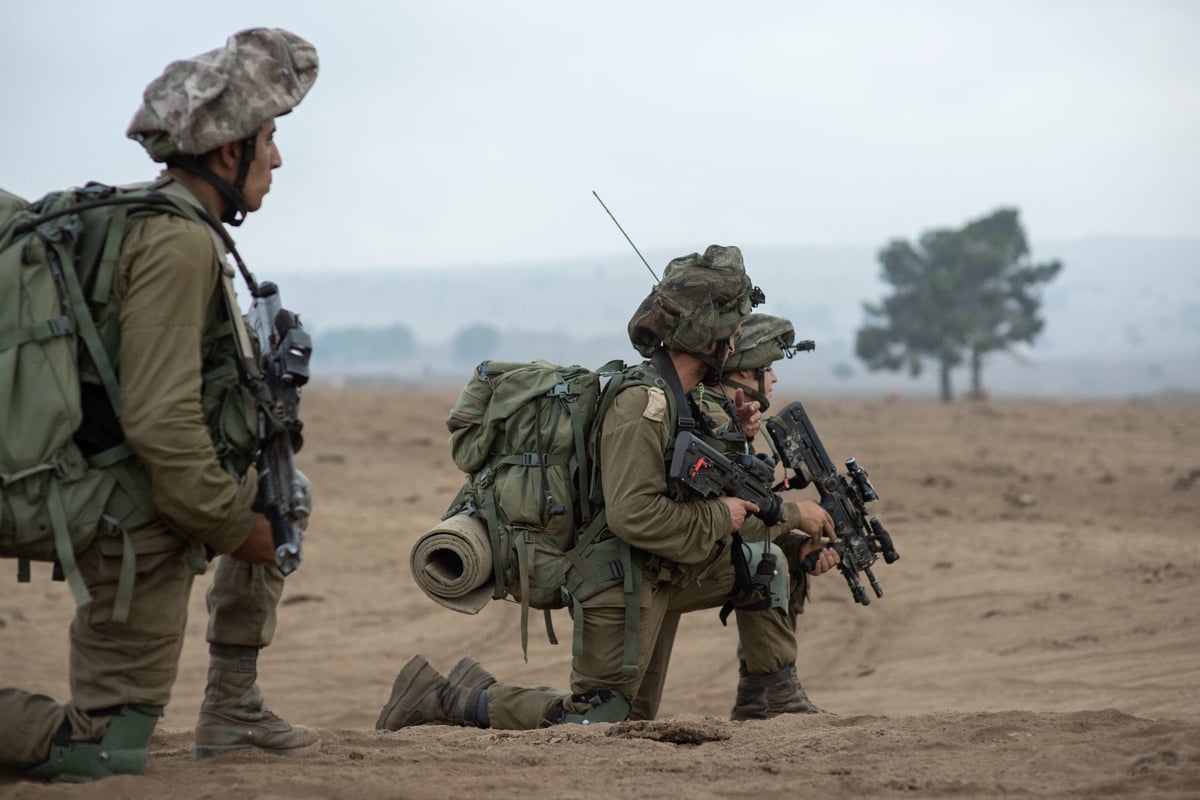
<point>266,159</point>
<point>749,377</point>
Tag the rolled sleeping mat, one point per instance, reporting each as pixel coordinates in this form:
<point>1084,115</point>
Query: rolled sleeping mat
<point>452,563</point>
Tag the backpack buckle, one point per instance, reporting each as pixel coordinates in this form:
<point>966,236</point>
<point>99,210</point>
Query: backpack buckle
<point>535,459</point>
<point>110,526</point>
<point>60,326</point>
<point>618,569</point>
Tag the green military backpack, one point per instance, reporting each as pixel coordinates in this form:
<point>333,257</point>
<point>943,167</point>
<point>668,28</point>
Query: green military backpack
<point>521,430</point>
<point>525,434</point>
<point>57,258</point>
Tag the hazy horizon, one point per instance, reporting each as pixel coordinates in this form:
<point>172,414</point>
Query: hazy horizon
<point>474,133</point>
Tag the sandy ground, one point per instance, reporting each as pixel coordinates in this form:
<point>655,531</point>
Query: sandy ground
<point>1040,636</point>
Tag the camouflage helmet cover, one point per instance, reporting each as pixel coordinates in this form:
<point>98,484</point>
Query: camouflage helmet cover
<point>224,95</point>
<point>699,299</point>
<point>763,340</point>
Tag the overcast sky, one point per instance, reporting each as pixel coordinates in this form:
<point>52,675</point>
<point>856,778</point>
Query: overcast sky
<point>456,133</point>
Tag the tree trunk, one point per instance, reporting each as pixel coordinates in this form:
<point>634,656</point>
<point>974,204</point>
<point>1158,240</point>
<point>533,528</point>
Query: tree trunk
<point>977,393</point>
<point>947,393</point>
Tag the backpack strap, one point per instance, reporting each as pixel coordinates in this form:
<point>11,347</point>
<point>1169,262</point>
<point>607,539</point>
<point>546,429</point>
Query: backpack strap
<point>684,421</point>
<point>62,545</point>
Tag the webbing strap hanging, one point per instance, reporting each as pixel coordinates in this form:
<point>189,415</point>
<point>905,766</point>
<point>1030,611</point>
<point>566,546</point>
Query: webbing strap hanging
<point>108,258</point>
<point>581,476</point>
<point>525,549</point>
<point>62,543</point>
<point>124,598</point>
<point>488,505</point>
<point>86,327</point>
<point>633,613</point>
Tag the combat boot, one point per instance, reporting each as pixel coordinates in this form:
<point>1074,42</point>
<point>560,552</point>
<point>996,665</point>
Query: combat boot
<point>751,702</point>
<point>422,696</point>
<point>469,674</point>
<point>121,751</point>
<point>784,695</point>
<point>232,716</point>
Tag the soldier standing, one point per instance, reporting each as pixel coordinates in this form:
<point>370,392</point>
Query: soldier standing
<point>184,412</point>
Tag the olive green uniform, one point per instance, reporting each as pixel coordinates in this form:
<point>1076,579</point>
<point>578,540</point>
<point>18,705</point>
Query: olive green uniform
<point>760,644</point>
<point>684,547</point>
<point>178,380</point>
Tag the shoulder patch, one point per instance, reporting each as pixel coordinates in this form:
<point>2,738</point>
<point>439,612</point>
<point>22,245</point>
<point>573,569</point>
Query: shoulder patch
<point>656,404</point>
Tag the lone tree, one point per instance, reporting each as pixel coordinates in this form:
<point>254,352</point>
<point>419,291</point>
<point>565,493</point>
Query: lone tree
<point>959,296</point>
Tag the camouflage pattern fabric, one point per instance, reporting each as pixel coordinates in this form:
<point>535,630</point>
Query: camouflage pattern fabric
<point>699,299</point>
<point>224,95</point>
<point>762,341</point>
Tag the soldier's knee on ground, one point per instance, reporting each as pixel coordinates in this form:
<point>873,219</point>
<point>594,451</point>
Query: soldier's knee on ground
<point>121,751</point>
<point>602,705</point>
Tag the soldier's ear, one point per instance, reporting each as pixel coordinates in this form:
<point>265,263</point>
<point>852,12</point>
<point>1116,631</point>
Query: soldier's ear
<point>224,160</point>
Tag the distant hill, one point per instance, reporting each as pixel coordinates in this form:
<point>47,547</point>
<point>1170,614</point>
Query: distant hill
<point>1123,318</point>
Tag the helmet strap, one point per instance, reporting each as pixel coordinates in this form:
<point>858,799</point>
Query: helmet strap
<point>249,145</point>
<point>236,207</point>
<point>714,365</point>
<point>759,394</point>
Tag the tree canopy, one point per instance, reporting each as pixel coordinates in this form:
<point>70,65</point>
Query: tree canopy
<point>959,296</point>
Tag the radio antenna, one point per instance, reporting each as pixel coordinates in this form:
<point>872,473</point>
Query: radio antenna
<point>626,235</point>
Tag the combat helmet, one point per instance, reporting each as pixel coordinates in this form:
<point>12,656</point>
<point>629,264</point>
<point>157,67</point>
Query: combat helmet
<point>222,96</point>
<point>700,299</point>
<point>762,340</point>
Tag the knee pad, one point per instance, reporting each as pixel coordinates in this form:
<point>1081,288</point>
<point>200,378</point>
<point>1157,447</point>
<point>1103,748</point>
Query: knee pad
<point>602,705</point>
<point>122,750</point>
<point>760,579</point>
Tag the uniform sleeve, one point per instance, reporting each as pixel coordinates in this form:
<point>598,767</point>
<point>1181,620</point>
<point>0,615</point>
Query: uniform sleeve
<point>167,278</point>
<point>632,445</point>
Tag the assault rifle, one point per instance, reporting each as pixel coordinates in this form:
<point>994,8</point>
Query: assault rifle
<point>286,349</point>
<point>860,538</point>
<point>710,473</point>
